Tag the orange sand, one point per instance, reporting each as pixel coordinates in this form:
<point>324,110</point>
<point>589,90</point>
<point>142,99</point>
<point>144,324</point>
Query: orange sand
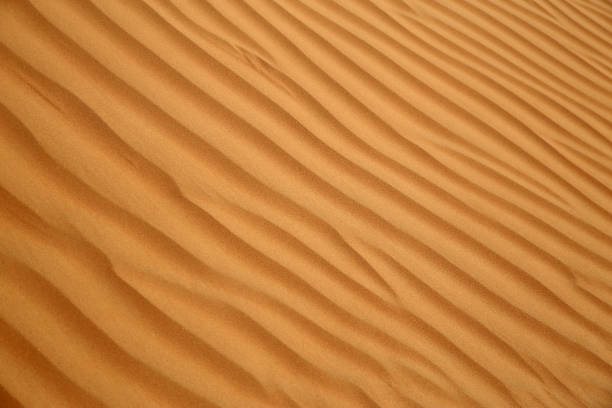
<point>306,203</point>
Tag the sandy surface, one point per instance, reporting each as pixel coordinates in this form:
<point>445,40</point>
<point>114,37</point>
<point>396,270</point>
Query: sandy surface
<point>306,203</point>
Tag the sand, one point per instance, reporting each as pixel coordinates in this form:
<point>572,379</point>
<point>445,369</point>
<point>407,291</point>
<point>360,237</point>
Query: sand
<point>306,203</point>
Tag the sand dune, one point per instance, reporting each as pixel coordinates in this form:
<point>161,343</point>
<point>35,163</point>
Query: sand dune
<point>306,203</point>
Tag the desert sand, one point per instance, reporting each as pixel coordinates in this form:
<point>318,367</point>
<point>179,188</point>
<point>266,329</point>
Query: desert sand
<point>306,203</point>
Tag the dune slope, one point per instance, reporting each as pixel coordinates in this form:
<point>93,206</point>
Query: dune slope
<point>306,203</point>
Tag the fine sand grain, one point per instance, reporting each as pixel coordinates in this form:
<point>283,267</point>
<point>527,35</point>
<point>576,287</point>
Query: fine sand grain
<point>306,203</point>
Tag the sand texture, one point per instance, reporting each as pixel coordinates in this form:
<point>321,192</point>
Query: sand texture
<point>306,203</point>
